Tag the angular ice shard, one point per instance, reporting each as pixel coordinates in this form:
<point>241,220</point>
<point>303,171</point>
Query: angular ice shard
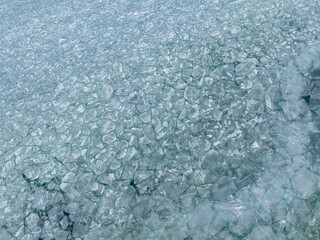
<point>245,67</point>
<point>273,98</point>
<point>261,233</point>
<point>200,220</point>
<point>106,92</point>
<point>191,93</point>
<point>305,183</point>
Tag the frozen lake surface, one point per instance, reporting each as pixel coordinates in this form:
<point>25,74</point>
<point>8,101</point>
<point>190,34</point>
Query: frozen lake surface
<point>163,119</point>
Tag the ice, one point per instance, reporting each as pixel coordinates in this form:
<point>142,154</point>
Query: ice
<point>257,92</point>
<point>206,60</point>
<point>245,67</point>
<point>223,188</point>
<point>78,230</point>
<point>109,138</point>
<point>107,127</point>
<point>160,120</point>
<point>200,220</point>
<point>141,209</point>
<point>4,234</point>
<point>273,98</point>
<point>244,224</point>
<point>32,220</point>
<point>167,93</point>
<point>191,93</point>
<point>261,233</point>
<point>305,182</point>
<point>172,190</point>
<point>106,92</point>
<point>146,117</point>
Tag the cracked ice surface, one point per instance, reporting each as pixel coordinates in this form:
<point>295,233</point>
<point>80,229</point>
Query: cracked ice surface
<point>159,119</point>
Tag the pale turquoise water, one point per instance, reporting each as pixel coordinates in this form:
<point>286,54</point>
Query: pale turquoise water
<point>159,119</point>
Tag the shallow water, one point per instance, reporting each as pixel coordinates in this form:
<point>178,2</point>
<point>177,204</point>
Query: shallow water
<point>159,119</point>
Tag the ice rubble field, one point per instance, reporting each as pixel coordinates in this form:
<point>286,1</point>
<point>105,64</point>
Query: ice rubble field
<point>159,119</point>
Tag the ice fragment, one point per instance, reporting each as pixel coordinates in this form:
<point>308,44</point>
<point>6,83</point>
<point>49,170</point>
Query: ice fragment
<point>191,93</point>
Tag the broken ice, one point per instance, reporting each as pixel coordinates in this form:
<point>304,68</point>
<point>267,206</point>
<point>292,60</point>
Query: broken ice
<point>159,120</point>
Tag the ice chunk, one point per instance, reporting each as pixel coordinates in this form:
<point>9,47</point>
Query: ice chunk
<point>241,56</point>
<point>61,235</point>
<point>305,182</point>
<point>167,93</point>
<point>114,164</point>
<point>295,85</point>
<point>191,93</point>
<point>315,73</point>
<point>200,145</point>
<point>79,230</point>
<point>257,92</point>
<point>106,92</point>
<point>223,188</point>
<point>107,127</point>
<point>146,117</point>
<point>109,138</point>
<point>32,220</point>
<point>206,60</point>
<point>244,223</point>
<point>69,177</point>
<point>142,208</point>
<point>198,72</point>
<point>3,203</point>
<point>172,189</point>
<point>273,98</point>
<point>64,222</point>
<point>254,105</point>
<point>2,190</point>
<point>201,218</point>
<point>212,160</point>
<point>260,232</point>
<point>304,62</point>
<point>246,66</point>
<point>4,234</point>
<point>89,115</point>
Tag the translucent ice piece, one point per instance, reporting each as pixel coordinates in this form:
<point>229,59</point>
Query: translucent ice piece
<point>191,93</point>
<point>261,232</point>
<point>305,182</point>
<point>223,188</point>
<point>107,127</point>
<point>201,217</point>
<point>4,234</point>
<point>198,72</point>
<point>273,98</point>
<point>246,66</point>
<point>142,208</point>
<point>79,230</point>
<point>32,220</point>
<point>106,92</point>
<point>257,92</point>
